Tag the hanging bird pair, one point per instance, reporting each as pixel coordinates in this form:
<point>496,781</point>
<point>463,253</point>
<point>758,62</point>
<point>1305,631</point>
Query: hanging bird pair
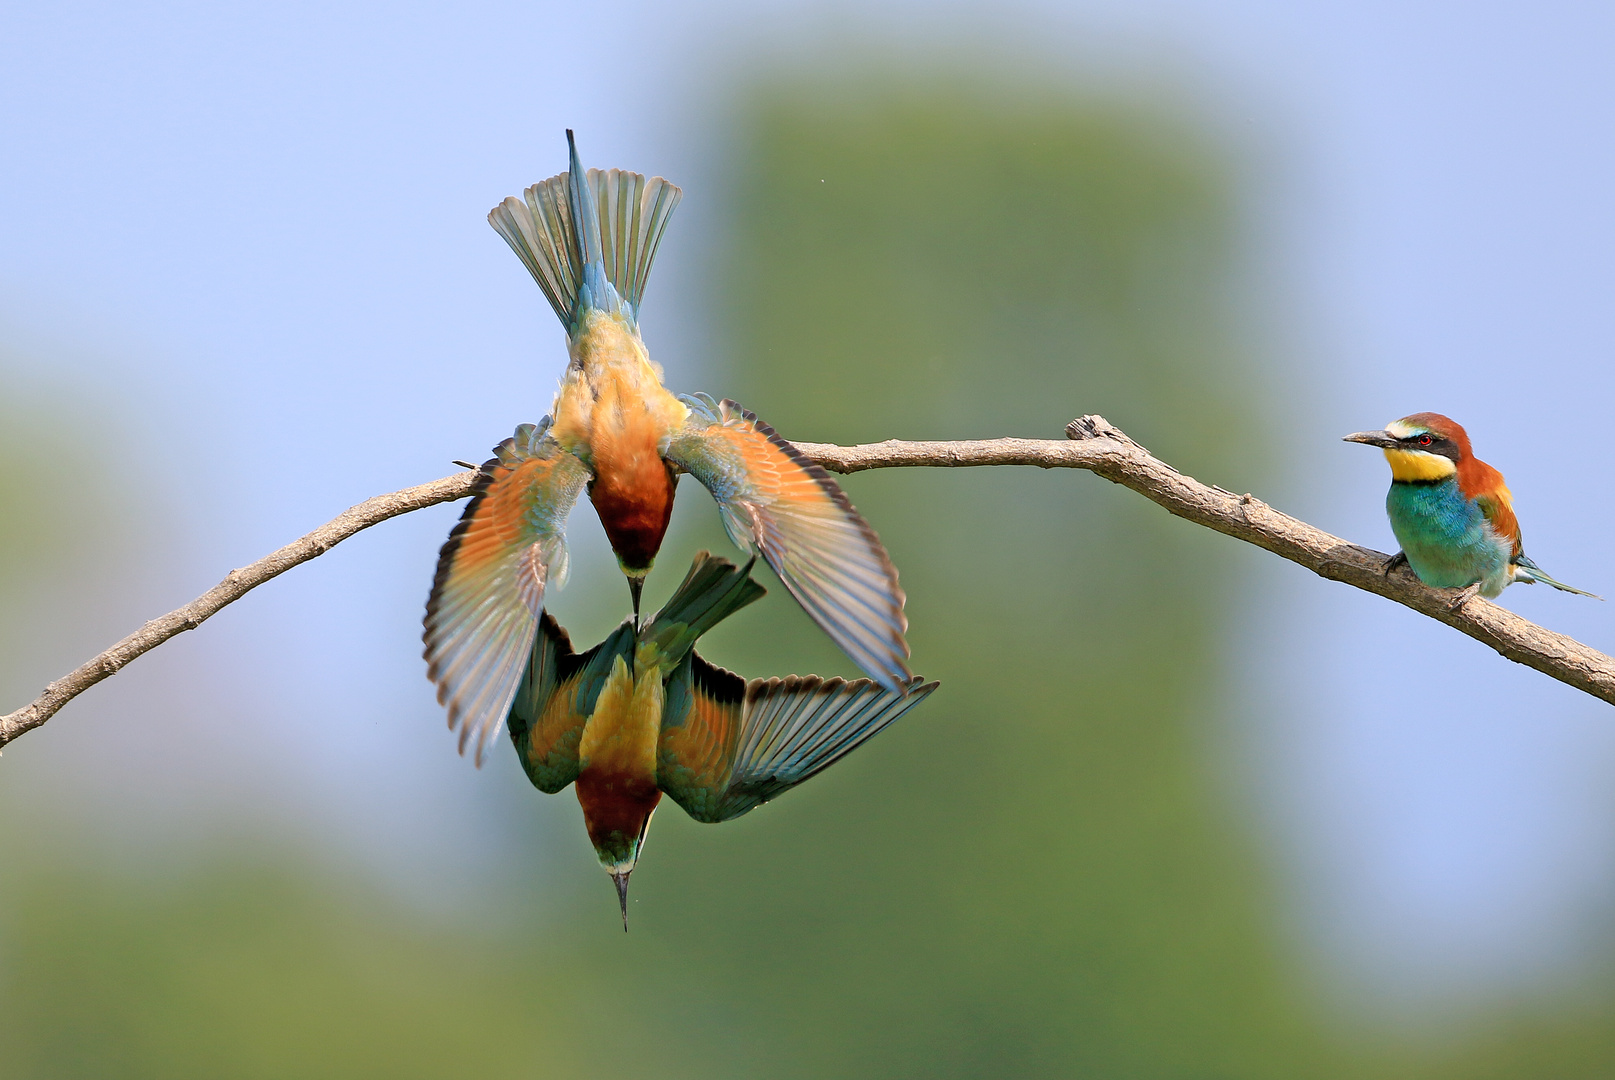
<point>641,714</point>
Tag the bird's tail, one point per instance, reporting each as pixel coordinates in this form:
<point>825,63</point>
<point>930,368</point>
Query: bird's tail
<point>604,264</point>
<point>1527,571</point>
<point>714,589</point>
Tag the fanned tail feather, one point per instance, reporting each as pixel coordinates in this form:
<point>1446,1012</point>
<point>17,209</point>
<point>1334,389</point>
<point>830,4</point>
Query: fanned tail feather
<point>540,232</point>
<point>587,237</point>
<point>602,265</point>
<point>633,214</point>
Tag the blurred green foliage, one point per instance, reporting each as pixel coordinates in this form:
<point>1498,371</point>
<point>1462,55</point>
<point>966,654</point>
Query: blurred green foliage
<point>1039,873</point>
<point>1035,874</point>
<point>251,971</point>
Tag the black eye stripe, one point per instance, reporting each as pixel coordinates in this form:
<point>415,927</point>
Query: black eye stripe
<point>1438,444</point>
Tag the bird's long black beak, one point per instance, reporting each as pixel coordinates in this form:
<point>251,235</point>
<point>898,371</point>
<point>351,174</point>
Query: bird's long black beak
<point>622,895</point>
<point>636,585</point>
<point>1381,439</point>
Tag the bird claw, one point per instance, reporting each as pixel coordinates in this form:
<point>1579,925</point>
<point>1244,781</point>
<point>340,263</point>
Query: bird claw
<point>1464,596</point>
<point>1399,559</point>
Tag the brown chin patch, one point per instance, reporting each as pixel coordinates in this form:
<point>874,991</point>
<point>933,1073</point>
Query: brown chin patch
<point>616,811</point>
<point>635,510</point>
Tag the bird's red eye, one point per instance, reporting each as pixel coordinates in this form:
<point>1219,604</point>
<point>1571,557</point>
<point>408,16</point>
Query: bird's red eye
<point>1425,440</point>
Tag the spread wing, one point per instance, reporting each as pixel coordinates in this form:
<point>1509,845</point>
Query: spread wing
<point>777,502</point>
<point>739,745</point>
<point>555,700</point>
<point>798,726</point>
<point>508,547</point>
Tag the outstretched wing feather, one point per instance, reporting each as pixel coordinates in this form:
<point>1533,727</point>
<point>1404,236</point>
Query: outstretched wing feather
<point>795,728</point>
<point>777,502</point>
<point>507,550</point>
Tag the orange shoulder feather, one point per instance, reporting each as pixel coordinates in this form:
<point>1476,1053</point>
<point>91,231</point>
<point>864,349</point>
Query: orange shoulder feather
<point>1484,484</point>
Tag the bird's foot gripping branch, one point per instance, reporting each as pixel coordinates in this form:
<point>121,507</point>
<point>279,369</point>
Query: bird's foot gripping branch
<point>1092,444</point>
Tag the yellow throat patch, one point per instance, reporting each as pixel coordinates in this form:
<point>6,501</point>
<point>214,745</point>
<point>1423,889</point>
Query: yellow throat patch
<point>1416,466</point>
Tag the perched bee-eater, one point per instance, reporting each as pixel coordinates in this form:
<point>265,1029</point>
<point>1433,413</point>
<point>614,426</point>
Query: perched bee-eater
<point>588,239</point>
<point>641,714</point>
<point>1450,511</point>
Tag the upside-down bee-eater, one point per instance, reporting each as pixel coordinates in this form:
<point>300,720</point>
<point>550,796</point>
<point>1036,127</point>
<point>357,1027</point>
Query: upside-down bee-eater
<point>642,714</point>
<point>1451,512</point>
<point>589,239</point>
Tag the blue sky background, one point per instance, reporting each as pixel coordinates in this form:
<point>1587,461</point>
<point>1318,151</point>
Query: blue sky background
<point>245,282</point>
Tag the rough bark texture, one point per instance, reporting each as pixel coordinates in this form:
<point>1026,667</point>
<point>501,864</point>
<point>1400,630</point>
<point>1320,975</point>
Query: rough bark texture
<point>1092,444</point>
<point>235,585</point>
<point>1100,448</point>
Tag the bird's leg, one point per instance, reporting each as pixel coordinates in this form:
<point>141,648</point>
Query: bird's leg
<point>1465,595</point>
<point>1399,559</point>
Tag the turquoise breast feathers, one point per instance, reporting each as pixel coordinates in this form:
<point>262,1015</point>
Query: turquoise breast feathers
<point>1446,537</point>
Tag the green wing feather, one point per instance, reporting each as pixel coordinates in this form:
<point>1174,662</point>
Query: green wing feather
<point>702,717</point>
<point>799,726</point>
<point>729,746</point>
<point>556,697</point>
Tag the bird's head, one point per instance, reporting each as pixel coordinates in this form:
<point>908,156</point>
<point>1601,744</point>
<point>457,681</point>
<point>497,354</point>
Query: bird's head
<point>1421,448</point>
<point>617,829</point>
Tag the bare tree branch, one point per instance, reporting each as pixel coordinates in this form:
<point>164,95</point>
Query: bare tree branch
<point>235,585</point>
<point>1093,444</point>
<point>1103,449</point>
